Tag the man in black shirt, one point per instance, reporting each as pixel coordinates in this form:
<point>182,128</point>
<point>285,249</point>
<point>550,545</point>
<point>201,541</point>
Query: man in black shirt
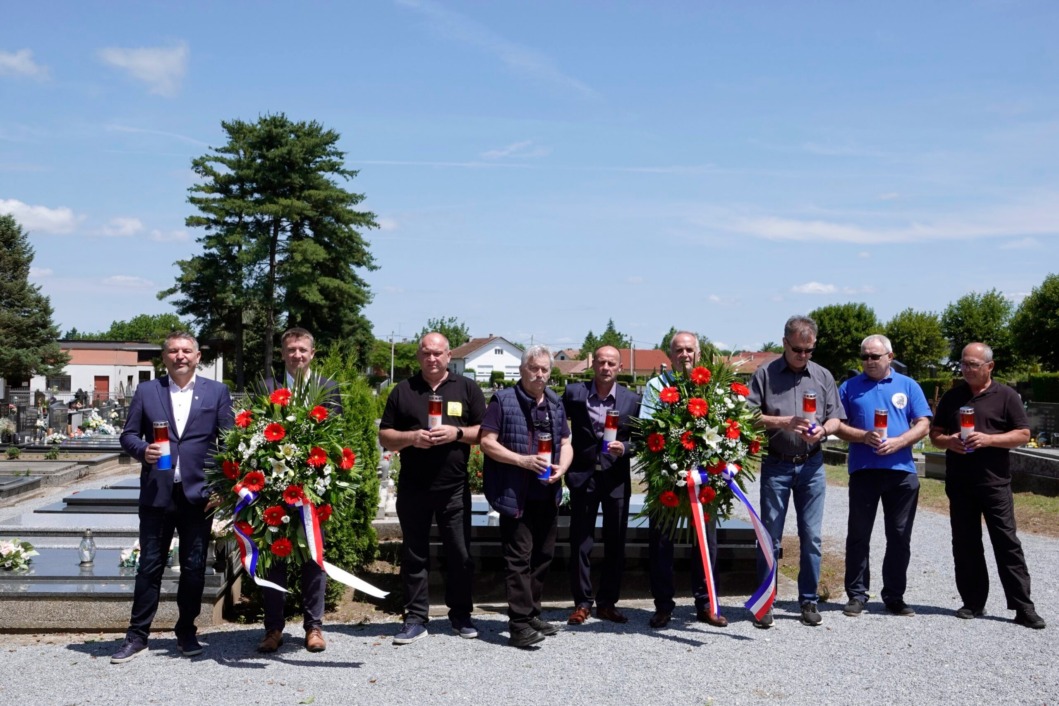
<point>433,483</point>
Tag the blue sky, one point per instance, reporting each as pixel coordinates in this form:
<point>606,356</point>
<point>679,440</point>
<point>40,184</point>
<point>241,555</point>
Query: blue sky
<point>539,167</point>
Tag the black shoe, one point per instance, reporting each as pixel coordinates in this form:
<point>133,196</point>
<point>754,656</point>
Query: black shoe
<point>966,613</point>
<point>189,646</point>
<point>543,627</point>
<point>1029,618</point>
<point>854,608</point>
<point>766,621</point>
<point>660,619</point>
<point>901,608</point>
<point>129,649</point>
<point>525,637</point>
<point>810,615</point>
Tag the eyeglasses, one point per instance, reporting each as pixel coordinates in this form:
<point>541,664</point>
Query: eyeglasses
<point>871,356</point>
<point>971,365</point>
<point>802,351</point>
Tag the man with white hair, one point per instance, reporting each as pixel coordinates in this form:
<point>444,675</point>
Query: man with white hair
<point>886,414</point>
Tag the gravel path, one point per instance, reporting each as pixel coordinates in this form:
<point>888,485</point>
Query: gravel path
<point>932,658</point>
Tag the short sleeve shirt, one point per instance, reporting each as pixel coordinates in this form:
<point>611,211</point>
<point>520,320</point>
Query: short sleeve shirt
<point>997,409</point>
<point>777,390</point>
<point>904,402</point>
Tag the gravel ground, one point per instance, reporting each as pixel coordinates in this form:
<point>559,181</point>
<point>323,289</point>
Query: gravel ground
<point>932,658</point>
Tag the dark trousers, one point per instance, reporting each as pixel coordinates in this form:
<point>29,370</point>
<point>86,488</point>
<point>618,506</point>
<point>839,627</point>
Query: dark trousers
<point>314,589</point>
<point>529,545</point>
<point>417,511</point>
<point>585,503</point>
<point>157,525</point>
<point>660,557</point>
<point>899,493</point>
<point>967,505</point>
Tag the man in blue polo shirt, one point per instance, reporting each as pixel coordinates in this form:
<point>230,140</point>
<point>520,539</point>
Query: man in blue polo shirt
<point>881,468</point>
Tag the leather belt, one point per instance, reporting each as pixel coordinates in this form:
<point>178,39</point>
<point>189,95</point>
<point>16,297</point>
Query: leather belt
<point>796,458</point>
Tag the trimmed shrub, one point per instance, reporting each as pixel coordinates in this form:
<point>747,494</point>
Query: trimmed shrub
<point>1044,387</point>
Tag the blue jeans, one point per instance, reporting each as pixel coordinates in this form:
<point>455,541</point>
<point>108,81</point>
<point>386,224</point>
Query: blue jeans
<point>808,483</point>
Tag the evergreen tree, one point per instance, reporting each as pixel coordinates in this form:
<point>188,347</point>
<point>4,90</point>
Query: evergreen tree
<point>451,328</point>
<point>28,337</point>
<point>1035,326</point>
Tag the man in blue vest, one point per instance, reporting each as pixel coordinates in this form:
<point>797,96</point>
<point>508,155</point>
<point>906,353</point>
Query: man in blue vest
<point>521,482</point>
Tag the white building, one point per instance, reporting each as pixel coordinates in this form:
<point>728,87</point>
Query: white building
<point>479,357</point>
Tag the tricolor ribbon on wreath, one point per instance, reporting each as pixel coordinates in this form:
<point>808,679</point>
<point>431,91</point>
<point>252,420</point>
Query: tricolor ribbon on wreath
<point>248,551</point>
<point>761,600</point>
<point>315,539</point>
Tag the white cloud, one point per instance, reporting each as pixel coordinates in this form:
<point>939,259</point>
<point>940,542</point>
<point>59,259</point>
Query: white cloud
<point>127,282</point>
<point>20,63</point>
<point>518,150</point>
<point>1022,244</point>
<point>161,68</point>
<point>121,227</point>
<point>386,225</point>
<point>814,288</point>
<point>41,218</point>
<point>172,236</point>
<point>41,272</point>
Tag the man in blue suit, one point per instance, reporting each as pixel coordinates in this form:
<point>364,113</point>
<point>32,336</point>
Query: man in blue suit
<point>173,497</point>
<point>298,348</point>
<point>599,476</point>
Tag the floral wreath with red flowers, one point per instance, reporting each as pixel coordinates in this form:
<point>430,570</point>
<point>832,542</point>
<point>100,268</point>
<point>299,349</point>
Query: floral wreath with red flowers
<point>289,451</point>
<point>701,422</point>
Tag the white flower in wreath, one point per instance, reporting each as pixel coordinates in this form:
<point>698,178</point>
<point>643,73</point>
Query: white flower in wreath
<point>711,438</point>
<point>286,519</point>
<point>288,451</point>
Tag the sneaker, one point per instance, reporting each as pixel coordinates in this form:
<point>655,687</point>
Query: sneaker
<point>810,615</point>
<point>543,627</point>
<point>525,637</point>
<point>464,628</point>
<point>189,646</point>
<point>766,621</point>
<point>854,608</point>
<point>966,613</point>
<point>1029,618</point>
<point>129,649</point>
<point>901,608</point>
<point>410,633</point>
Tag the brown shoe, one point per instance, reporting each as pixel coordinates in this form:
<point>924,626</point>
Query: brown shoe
<point>660,619</point>
<point>612,614</point>
<point>273,639</point>
<point>579,616</point>
<point>314,640</point>
<point>717,621</point>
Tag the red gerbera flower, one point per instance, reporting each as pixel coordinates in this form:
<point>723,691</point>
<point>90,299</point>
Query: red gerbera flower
<point>717,468</point>
<point>231,469</point>
<point>293,494</point>
<point>656,442</point>
<point>669,395</point>
<point>755,446</point>
<point>687,440</point>
<point>244,527</point>
<point>733,432</point>
<point>317,457</point>
<point>348,459</point>
<point>318,413</point>
<point>669,498</point>
<point>281,397</point>
<point>275,432</point>
<point>324,513</point>
<point>274,515</point>
<point>740,389</point>
<point>254,481</point>
<point>243,419</point>
<point>282,547</point>
<point>700,375</point>
<point>707,495</point>
<point>698,407</point>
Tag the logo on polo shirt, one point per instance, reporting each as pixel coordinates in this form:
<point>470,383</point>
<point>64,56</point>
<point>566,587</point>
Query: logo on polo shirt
<point>455,409</point>
<point>900,400</point>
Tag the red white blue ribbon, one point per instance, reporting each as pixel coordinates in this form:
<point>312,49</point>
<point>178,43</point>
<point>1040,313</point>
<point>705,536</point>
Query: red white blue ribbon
<point>762,599</point>
<point>248,551</point>
<point>315,539</point>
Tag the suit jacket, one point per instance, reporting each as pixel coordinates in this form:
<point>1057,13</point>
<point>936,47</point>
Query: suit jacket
<point>587,445</point>
<point>195,447</point>
<point>332,396</point>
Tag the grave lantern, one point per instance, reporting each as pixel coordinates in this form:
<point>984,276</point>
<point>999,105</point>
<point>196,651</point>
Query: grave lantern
<point>86,550</point>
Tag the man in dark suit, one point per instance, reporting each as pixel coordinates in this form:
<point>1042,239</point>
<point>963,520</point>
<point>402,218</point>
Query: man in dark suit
<point>173,497</point>
<point>599,475</point>
<point>297,349</point>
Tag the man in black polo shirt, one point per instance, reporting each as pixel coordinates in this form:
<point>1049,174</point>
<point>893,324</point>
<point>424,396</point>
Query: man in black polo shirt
<point>795,463</point>
<point>978,483</point>
<point>433,483</point>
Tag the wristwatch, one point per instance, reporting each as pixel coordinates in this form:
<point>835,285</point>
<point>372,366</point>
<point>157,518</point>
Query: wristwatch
<point>459,433</point>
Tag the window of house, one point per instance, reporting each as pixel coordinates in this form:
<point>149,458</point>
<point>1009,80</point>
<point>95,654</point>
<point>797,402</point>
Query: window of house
<point>498,351</point>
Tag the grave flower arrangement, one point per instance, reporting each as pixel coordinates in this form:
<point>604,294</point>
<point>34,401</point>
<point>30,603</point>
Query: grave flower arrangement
<point>285,469</point>
<point>15,554</point>
<point>702,432</point>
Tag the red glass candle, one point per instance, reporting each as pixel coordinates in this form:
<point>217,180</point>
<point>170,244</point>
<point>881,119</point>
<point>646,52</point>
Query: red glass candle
<point>434,411</point>
<point>610,428</point>
<point>966,421</point>
<point>161,437</point>
<point>809,405</point>
<point>544,450</point>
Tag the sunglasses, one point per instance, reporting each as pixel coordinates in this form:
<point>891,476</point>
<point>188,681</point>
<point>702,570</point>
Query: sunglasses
<point>872,356</point>
<point>802,351</point>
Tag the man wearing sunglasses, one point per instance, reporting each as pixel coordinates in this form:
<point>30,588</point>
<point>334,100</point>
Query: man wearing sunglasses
<point>978,483</point>
<point>794,463</point>
<point>886,414</point>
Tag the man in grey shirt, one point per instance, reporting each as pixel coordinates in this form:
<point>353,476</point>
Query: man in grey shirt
<point>794,462</point>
